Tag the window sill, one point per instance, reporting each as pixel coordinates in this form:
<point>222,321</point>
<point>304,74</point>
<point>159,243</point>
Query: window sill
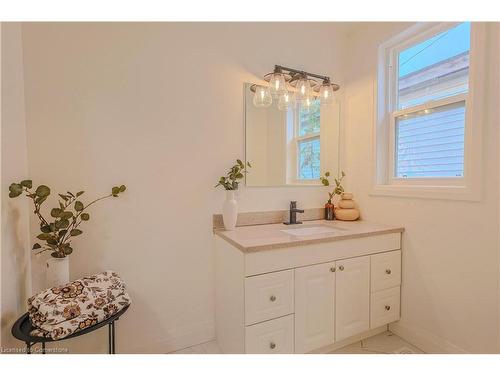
<point>461,193</point>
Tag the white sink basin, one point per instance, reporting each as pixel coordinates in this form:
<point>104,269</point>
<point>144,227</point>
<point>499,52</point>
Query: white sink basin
<point>310,231</point>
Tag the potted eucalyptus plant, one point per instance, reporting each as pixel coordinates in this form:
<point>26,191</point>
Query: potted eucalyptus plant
<point>337,190</point>
<point>230,183</point>
<point>64,224</point>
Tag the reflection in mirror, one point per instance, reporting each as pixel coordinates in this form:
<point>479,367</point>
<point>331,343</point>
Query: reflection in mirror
<point>292,147</point>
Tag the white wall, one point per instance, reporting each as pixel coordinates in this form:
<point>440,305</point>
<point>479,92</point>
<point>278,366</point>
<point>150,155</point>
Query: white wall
<point>159,108</point>
<point>450,250</point>
<point>15,242</point>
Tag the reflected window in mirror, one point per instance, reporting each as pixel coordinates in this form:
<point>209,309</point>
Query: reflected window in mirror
<point>290,147</point>
<point>308,143</point>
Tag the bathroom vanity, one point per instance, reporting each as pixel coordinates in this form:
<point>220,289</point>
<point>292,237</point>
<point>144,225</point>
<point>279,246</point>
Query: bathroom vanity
<point>305,288</point>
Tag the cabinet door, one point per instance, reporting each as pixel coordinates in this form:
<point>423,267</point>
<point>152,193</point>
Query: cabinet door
<point>352,297</point>
<point>314,306</point>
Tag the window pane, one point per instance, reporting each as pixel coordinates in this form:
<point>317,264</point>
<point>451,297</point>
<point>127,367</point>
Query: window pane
<point>309,161</point>
<point>309,119</point>
<point>430,143</point>
<point>435,68</point>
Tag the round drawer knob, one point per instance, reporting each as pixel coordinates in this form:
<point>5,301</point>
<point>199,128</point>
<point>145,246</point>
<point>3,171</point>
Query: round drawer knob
<point>341,268</point>
<point>272,345</point>
<point>332,269</point>
<point>387,307</point>
<point>272,298</point>
<point>388,271</point>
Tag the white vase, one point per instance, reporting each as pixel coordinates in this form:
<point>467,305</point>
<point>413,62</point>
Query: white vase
<point>57,272</point>
<point>230,211</point>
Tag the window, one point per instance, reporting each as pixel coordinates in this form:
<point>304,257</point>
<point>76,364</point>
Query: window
<point>423,107</point>
<point>307,140</point>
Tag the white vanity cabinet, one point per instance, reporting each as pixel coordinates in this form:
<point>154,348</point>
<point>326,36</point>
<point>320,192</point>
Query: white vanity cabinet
<point>303,298</point>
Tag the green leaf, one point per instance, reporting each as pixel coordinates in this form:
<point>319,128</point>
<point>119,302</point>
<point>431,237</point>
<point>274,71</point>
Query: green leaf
<point>239,175</point>
<point>327,174</point>
<point>115,190</point>
<point>40,200</point>
<point>75,232</point>
<point>85,216</point>
<point>248,163</point>
<point>27,183</point>
<point>66,215</point>
<point>62,233</point>
<point>71,194</point>
<point>122,188</point>
<point>45,228</point>
<point>42,191</point>
<point>44,236</point>
<point>79,193</point>
<point>240,163</point>
<point>65,197</point>
<point>78,206</point>
<point>62,224</point>
<point>57,254</point>
<point>61,206</point>
<point>15,190</point>
<point>67,250</point>
<point>56,212</point>
<point>52,227</point>
<point>52,241</point>
<point>36,246</point>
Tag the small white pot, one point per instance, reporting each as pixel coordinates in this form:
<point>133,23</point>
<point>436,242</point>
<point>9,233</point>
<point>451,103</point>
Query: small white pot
<point>230,211</point>
<point>57,271</point>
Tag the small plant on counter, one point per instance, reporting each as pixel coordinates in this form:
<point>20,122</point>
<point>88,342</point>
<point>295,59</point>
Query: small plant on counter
<point>339,189</point>
<point>57,232</point>
<point>236,173</point>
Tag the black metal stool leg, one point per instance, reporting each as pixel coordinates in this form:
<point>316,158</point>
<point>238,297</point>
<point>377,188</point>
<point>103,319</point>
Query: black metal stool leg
<point>113,329</point>
<point>43,347</point>
<point>109,338</point>
<point>28,347</point>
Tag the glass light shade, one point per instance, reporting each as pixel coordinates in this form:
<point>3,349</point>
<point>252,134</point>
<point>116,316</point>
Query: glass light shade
<point>262,97</point>
<point>326,94</point>
<point>277,84</point>
<point>303,87</point>
<point>306,104</point>
<point>286,101</point>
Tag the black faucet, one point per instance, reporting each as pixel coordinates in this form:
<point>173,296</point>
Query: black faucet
<point>293,214</point>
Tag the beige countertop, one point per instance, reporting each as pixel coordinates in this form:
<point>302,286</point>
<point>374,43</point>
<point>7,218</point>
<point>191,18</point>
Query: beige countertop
<point>254,238</point>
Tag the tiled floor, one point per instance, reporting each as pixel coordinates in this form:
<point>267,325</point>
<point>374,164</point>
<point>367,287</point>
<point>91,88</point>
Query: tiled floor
<point>383,343</point>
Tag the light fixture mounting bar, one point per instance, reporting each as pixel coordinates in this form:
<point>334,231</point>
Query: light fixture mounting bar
<point>296,71</point>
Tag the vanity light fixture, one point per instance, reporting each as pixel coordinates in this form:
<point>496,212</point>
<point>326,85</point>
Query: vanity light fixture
<point>289,86</point>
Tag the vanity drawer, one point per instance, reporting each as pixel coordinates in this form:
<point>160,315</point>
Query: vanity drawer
<point>272,337</point>
<point>385,270</point>
<point>268,296</point>
<point>384,307</point>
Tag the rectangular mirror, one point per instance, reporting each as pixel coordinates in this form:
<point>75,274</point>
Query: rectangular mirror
<point>292,147</point>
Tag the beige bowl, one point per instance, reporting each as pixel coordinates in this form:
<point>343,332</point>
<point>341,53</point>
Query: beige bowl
<point>346,214</point>
<point>346,203</point>
<point>347,196</point>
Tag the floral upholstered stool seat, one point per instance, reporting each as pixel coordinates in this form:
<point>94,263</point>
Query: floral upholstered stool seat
<point>22,329</point>
<point>70,310</point>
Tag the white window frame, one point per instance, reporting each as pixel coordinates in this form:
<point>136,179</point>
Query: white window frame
<point>385,182</point>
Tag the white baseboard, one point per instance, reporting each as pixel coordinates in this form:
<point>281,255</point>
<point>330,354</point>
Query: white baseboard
<point>188,336</point>
<point>349,341</point>
<point>425,340</point>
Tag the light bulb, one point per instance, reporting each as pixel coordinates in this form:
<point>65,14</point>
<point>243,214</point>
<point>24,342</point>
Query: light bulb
<point>286,101</point>
<point>277,84</point>
<point>303,87</point>
<point>262,97</point>
<point>326,93</point>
